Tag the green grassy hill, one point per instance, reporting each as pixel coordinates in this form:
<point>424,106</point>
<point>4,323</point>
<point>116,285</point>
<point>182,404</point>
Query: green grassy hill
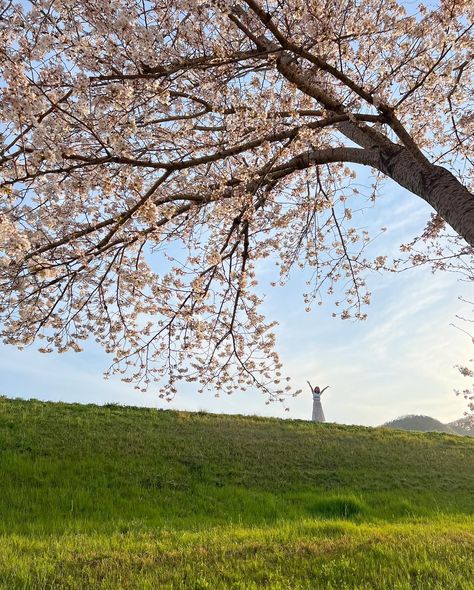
<point>114,497</point>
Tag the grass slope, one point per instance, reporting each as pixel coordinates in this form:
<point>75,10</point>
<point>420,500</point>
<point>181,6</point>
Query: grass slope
<point>113,497</point>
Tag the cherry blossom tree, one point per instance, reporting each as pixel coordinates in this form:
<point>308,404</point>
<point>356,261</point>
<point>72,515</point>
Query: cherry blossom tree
<point>154,152</point>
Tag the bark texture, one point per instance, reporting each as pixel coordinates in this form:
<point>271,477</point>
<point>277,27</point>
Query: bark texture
<point>402,162</point>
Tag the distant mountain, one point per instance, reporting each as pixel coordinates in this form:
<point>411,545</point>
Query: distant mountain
<point>421,424</point>
<point>463,426</point>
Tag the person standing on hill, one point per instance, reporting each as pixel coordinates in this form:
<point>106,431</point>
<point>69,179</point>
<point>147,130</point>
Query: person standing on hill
<point>318,414</point>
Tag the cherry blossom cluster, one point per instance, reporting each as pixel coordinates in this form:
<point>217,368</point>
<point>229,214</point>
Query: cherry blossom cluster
<point>154,155</point>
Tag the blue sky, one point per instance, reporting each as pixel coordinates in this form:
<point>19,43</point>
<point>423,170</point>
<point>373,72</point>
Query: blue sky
<point>399,361</point>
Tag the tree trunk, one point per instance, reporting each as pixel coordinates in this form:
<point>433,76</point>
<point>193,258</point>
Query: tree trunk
<point>435,184</point>
<point>410,169</point>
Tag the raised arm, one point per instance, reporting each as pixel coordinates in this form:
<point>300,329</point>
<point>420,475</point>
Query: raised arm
<point>323,390</point>
<point>310,386</point>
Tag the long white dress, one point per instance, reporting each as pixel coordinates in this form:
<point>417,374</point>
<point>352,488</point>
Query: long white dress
<point>318,414</point>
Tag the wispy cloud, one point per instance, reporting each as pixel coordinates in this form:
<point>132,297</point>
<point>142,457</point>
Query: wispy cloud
<point>400,361</point>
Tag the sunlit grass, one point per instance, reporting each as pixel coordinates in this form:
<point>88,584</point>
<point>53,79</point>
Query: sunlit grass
<point>110,497</point>
<point>303,554</point>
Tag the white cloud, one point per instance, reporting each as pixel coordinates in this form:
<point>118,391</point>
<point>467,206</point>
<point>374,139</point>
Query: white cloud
<point>398,362</point>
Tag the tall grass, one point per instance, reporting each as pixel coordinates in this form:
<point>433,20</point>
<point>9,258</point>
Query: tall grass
<point>113,497</point>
